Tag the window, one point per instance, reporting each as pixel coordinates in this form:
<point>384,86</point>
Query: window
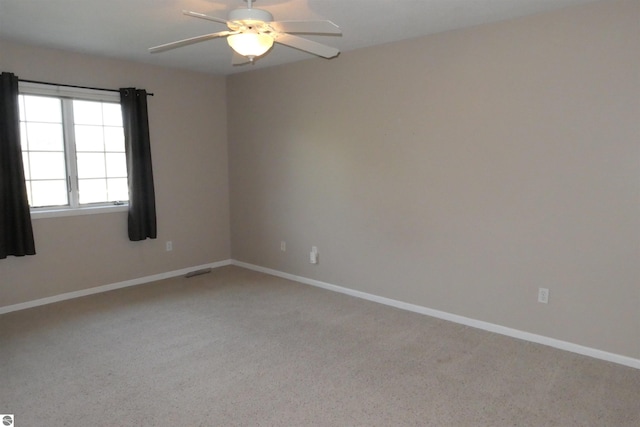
<point>72,147</point>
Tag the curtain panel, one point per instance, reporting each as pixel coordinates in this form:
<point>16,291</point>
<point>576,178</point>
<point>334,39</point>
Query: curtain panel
<point>142,205</point>
<point>16,232</point>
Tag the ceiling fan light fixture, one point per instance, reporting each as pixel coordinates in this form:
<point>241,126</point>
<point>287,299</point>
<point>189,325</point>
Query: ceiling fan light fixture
<point>250,44</point>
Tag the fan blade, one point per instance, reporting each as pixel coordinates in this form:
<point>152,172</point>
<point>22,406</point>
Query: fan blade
<point>192,40</point>
<point>306,45</point>
<point>203,16</point>
<point>238,59</point>
<point>308,27</point>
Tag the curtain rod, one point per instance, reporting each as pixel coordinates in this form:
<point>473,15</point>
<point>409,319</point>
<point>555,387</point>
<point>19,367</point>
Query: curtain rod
<point>74,86</point>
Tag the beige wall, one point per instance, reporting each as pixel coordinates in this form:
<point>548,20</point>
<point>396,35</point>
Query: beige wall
<point>187,118</point>
<point>459,172</point>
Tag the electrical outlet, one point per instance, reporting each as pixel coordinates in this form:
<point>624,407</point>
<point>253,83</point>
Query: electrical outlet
<point>283,246</point>
<point>313,255</point>
<point>543,295</point>
<point>169,246</point>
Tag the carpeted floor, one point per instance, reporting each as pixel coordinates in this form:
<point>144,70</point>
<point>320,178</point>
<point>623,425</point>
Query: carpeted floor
<point>239,348</point>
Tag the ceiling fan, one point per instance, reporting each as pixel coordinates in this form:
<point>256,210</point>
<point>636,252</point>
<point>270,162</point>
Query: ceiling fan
<point>252,33</point>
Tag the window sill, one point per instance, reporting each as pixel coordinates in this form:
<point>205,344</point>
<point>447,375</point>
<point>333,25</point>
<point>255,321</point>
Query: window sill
<point>54,213</point>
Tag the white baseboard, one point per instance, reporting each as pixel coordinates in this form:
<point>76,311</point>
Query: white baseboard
<point>491,327</point>
<point>109,287</point>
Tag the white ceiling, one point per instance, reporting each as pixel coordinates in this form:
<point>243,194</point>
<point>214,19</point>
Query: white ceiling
<point>127,28</point>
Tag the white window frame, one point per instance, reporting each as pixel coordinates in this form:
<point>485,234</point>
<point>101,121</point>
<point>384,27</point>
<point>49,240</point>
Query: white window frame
<point>65,92</point>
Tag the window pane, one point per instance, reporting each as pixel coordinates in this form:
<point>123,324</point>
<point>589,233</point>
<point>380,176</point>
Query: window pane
<point>42,109</point>
<point>118,189</point>
<point>45,137</point>
<point>112,114</point>
<point>25,163</point>
<point>47,166</point>
<point>114,139</point>
<point>29,193</point>
<point>89,138</point>
<point>24,143</point>
<point>21,107</point>
<point>92,190</point>
<point>87,112</point>
<point>116,165</point>
<point>91,165</point>
<point>49,193</point>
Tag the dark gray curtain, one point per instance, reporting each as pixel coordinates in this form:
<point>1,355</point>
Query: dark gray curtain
<point>16,233</point>
<point>142,201</point>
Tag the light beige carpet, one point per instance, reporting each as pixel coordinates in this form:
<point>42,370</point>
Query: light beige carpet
<point>239,348</point>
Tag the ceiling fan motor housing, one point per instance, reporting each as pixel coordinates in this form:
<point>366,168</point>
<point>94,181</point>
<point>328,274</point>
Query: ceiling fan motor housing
<point>249,17</point>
